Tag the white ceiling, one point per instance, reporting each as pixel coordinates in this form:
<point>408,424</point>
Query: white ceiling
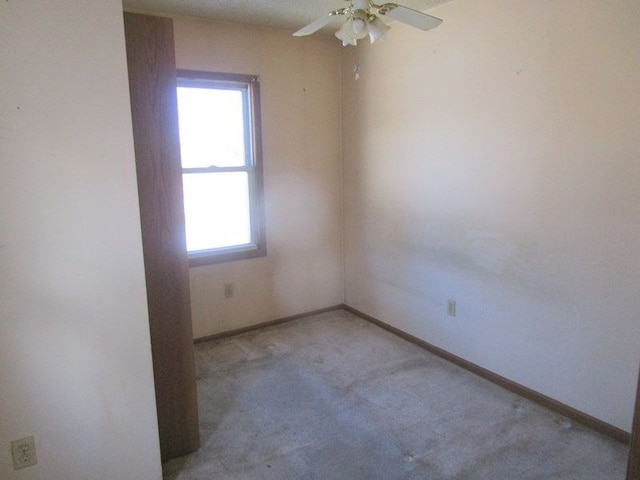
<point>285,14</point>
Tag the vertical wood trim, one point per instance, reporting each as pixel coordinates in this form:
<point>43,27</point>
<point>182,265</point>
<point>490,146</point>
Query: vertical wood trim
<point>152,84</point>
<point>633,468</point>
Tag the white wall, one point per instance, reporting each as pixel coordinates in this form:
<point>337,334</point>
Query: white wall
<point>75,362</point>
<point>301,137</point>
<point>496,161</point>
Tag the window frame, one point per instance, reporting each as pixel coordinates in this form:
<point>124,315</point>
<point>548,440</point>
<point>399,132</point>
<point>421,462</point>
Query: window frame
<point>254,168</point>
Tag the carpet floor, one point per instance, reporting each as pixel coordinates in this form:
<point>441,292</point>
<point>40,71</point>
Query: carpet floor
<point>333,396</point>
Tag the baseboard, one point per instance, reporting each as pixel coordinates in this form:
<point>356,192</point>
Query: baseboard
<point>229,333</point>
<point>547,402</point>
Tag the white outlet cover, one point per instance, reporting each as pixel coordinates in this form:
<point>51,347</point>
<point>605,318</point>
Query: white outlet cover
<point>451,308</point>
<point>23,452</point>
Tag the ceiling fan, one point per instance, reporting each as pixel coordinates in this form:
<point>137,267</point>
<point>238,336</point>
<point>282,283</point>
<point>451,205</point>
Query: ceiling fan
<point>363,19</point>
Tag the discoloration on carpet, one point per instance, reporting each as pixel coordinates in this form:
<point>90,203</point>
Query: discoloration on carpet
<point>332,396</point>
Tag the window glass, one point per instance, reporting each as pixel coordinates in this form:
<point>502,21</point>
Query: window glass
<point>219,125</point>
<point>216,207</point>
<point>212,127</point>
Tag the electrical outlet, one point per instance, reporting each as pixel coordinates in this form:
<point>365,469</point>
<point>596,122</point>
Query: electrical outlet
<point>23,452</point>
<point>228,290</point>
<point>451,308</point>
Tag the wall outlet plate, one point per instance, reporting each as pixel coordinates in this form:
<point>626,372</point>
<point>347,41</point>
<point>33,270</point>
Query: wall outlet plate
<point>451,308</point>
<point>23,452</point>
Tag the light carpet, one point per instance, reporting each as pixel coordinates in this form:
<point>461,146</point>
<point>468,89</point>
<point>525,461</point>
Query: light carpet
<point>333,396</point>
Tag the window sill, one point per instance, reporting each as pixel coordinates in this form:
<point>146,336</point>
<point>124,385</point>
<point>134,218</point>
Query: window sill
<point>198,259</point>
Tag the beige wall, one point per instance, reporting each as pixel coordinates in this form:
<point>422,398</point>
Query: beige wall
<point>75,360</point>
<point>496,161</point>
<point>493,160</point>
<point>301,135</point>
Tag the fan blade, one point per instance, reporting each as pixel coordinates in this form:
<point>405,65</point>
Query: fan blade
<point>318,24</point>
<point>409,16</point>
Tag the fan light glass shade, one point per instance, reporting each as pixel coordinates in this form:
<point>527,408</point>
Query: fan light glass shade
<point>359,26</point>
<point>377,29</point>
<point>346,33</point>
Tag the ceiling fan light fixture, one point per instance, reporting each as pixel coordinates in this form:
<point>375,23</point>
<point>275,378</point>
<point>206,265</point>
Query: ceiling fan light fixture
<point>347,34</point>
<point>363,18</point>
<point>377,29</point>
<point>359,26</point>
<point>355,27</point>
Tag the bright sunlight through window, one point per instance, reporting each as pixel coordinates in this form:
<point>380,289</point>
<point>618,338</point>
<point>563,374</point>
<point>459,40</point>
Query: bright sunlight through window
<point>221,171</point>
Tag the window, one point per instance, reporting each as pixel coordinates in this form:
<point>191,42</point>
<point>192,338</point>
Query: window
<point>220,146</point>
